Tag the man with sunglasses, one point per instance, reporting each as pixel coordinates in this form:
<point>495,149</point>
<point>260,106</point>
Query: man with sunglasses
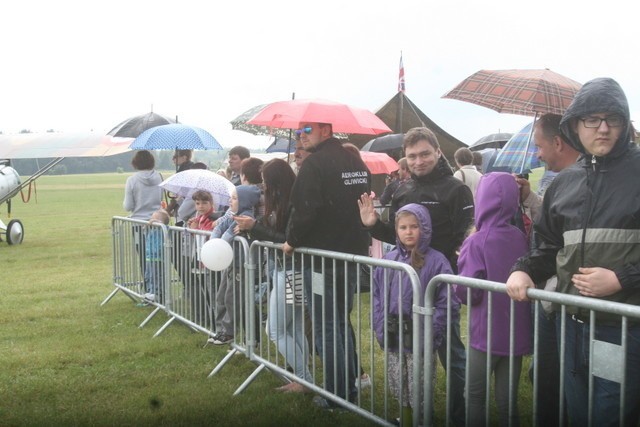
<point>588,233</point>
<point>325,215</point>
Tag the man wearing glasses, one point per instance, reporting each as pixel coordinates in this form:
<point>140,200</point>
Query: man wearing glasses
<point>589,234</point>
<point>325,216</point>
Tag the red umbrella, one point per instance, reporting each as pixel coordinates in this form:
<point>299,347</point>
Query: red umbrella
<point>379,162</point>
<point>343,118</point>
<point>524,92</point>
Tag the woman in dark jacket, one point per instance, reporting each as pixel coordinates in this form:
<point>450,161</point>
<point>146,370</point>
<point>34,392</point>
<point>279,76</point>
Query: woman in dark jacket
<point>285,320</point>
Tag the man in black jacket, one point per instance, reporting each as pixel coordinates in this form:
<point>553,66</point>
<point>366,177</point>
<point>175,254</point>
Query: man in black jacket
<point>325,216</point>
<point>588,234</point>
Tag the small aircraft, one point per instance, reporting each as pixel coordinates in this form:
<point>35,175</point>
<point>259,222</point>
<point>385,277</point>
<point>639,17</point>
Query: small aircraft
<point>45,145</point>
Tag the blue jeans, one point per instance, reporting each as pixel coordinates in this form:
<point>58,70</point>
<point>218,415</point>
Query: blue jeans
<point>457,371</point>
<point>606,394</point>
<point>330,321</point>
<point>154,278</point>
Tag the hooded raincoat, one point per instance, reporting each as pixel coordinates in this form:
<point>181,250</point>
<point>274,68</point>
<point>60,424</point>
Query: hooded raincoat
<point>397,295</point>
<point>489,254</point>
<point>591,212</point>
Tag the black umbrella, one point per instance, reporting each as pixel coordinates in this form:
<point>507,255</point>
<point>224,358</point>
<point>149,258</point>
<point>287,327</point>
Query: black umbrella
<point>494,140</point>
<point>134,126</point>
<point>384,143</point>
<point>282,145</point>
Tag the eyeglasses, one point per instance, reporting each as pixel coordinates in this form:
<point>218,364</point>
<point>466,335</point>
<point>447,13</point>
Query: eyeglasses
<point>595,122</point>
<point>306,129</point>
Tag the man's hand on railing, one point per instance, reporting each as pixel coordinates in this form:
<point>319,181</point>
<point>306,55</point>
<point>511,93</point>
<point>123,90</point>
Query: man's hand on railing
<point>517,285</point>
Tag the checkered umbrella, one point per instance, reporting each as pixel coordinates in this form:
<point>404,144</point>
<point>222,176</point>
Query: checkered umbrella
<point>175,137</point>
<point>524,92</point>
<point>519,153</point>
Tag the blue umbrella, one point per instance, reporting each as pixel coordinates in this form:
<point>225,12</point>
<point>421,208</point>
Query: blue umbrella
<point>519,153</point>
<point>282,145</point>
<point>175,137</point>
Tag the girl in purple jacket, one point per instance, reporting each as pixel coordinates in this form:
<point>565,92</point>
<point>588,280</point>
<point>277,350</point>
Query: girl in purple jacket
<point>393,297</point>
<point>488,254</point>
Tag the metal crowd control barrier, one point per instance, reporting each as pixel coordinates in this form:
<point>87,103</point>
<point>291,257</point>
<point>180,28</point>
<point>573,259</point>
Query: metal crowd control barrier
<point>327,293</point>
<point>606,360</point>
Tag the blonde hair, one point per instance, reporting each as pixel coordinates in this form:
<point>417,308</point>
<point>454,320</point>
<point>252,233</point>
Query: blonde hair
<point>417,257</point>
<point>164,216</point>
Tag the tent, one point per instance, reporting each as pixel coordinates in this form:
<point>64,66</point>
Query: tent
<point>401,114</point>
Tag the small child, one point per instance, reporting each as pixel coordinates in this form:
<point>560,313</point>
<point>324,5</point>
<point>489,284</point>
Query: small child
<point>243,202</point>
<point>488,253</point>
<point>154,257</point>
<point>413,236</point>
<point>204,211</point>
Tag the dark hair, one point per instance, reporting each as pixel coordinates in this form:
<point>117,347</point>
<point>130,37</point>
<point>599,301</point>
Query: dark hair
<point>251,168</point>
<point>351,148</point>
<point>477,158</point>
<point>143,160</point>
<point>203,196</point>
<point>199,165</point>
<point>415,135</point>
<point>278,181</point>
<point>549,124</point>
<point>240,151</point>
<point>186,153</point>
<point>463,156</point>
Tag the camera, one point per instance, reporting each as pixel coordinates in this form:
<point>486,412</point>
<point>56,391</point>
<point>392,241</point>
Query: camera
<point>394,328</point>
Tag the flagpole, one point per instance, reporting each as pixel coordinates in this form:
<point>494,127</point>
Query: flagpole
<point>401,89</point>
<point>293,96</point>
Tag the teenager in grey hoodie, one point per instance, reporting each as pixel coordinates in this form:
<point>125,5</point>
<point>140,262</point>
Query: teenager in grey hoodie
<point>142,195</point>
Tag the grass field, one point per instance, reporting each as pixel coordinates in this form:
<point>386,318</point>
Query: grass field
<point>68,361</point>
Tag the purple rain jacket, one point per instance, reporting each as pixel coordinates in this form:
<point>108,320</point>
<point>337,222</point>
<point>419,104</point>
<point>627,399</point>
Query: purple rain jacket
<point>435,263</point>
<point>489,254</point>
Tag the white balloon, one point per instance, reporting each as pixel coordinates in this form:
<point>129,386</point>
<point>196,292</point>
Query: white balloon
<point>216,254</point>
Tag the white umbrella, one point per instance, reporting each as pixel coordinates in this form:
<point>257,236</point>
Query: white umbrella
<point>187,182</point>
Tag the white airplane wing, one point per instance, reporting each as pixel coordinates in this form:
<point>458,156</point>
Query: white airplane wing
<point>51,144</point>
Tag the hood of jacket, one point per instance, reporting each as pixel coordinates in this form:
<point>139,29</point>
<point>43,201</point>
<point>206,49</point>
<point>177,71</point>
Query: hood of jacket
<point>601,95</point>
<point>149,178</point>
<point>497,200</point>
<point>424,220</point>
<point>248,197</point>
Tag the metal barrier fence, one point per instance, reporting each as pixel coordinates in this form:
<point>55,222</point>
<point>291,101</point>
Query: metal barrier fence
<point>606,356</point>
<point>307,342</point>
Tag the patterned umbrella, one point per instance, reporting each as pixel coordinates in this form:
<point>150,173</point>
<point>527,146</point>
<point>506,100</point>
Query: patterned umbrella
<point>343,118</point>
<point>524,92</point>
<point>134,126</point>
<point>240,123</point>
<point>175,137</point>
<point>518,155</point>
<point>186,183</point>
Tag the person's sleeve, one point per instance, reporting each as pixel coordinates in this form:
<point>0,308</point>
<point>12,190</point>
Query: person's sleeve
<point>306,198</point>
<point>540,262</point>
<point>471,264</point>
<point>461,212</point>
<point>262,232</point>
<point>441,305</point>
<point>629,276</point>
<point>378,304</point>
<point>534,203</point>
<point>388,192</point>
<point>128,203</point>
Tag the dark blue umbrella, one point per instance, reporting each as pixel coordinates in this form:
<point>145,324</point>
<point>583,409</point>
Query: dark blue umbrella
<point>134,126</point>
<point>175,137</point>
<point>282,145</point>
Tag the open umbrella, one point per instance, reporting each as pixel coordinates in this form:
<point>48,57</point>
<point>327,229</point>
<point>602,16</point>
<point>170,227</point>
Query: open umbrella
<point>186,183</point>
<point>240,123</point>
<point>282,145</point>
<point>518,155</point>
<point>379,163</point>
<point>134,126</point>
<point>494,140</point>
<point>342,117</point>
<point>175,137</point>
<point>524,92</point>
<point>385,143</point>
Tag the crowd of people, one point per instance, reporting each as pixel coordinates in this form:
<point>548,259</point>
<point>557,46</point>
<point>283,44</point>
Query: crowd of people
<point>585,241</point>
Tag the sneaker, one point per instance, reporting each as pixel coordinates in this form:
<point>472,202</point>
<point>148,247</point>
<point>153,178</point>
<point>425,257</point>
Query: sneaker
<point>363,382</point>
<point>149,296</point>
<point>327,405</point>
<point>222,339</point>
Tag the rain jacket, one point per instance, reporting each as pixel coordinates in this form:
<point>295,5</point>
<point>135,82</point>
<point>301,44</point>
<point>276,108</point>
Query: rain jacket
<point>450,205</point>
<point>325,213</point>
<point>435,263</point>
<point>591,212</point>
<point>489,254</point>
<point>248,199</point>
<point>142,194</point>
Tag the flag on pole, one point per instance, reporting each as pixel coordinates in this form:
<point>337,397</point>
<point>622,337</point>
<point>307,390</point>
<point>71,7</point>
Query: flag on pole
<point>401,87</point>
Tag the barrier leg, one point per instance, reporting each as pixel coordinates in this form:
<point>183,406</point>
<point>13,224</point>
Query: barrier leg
<point>222,363</point>
<point>165,326</point>
<point>108,298</point>
<point>149,317</point>
<point>249,379</point>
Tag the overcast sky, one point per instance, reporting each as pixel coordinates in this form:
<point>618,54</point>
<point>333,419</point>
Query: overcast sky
<point>87,65</point>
